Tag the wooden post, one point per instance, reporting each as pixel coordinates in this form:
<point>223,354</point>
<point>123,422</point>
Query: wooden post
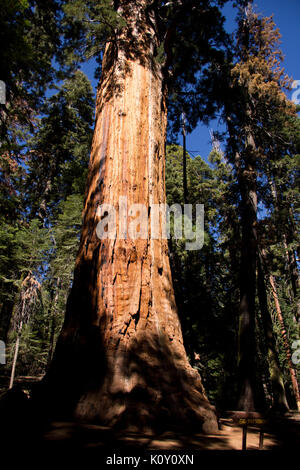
<point>261,439</point>
<point>252,419</point>
<point>244,445</point>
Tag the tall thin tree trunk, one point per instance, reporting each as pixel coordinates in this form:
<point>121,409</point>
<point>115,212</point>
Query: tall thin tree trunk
<point>292,371</point>
<point>185,190</point>
<point>53,311</point>
<point>120,358</point>
<point>13,369</point>
<point>247,345</point>
<point>278,391</point>
<point>245,167</point>
<point>17,345</point>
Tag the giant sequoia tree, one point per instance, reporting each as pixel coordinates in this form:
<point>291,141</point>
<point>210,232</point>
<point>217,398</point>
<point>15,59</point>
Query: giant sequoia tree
<point>120,357</point>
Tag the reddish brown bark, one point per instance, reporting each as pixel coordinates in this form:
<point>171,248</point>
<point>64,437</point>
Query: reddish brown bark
<point>120,358</point>
<point>292,371</point>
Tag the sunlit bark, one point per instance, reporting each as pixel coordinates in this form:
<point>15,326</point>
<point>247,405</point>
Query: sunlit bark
<point>120,358</point>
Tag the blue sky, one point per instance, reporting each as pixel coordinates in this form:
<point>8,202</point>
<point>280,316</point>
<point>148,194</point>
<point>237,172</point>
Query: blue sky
<point>287,18</point>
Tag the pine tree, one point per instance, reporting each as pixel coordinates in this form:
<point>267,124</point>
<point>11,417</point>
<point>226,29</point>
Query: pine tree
<point>30,38</point>
<point>30,253</point>
<point>253,103</point>
<point>27,71</point>
<point>59,149</point>
<point>206,282</point>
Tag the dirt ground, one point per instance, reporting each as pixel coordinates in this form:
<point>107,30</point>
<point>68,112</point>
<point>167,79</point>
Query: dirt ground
<point>24,429</point>
<point>229,437</point>
<point>73,445</point>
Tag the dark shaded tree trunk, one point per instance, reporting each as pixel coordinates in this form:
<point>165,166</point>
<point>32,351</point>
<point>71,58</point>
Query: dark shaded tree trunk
<point>245,167</point>
<point>53,313</point>
<point>247,344</point>
<point>5,318</point>
<point>120,358</point>
<point>185,188</point>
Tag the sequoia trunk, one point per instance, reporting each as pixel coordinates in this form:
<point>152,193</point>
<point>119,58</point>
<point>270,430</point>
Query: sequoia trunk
<point>120,358</point>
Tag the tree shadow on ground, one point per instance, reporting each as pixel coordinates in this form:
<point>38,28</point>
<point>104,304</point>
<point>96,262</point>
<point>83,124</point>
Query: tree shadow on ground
<point>25,435</point>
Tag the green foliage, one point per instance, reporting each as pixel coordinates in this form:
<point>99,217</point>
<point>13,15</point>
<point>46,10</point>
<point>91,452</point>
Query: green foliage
<point>205,288</point>
<point>87,28</point>
<point>23,249</point>
<point>32,355</point>
<point>60,149</point>
<point>65,233</point>
<point>26,69</point>
<point>46,198</point>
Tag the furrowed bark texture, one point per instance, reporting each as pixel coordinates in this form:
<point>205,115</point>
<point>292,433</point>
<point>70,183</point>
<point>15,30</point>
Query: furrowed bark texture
<point>120,358</point>
<point>247,346</point>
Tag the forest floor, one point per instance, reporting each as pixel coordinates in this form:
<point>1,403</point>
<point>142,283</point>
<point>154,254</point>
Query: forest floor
<point>228,438</point>
<point>281,433</point>
<point>284,437</point>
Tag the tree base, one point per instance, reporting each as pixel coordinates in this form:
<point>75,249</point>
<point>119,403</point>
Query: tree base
<point>150,386</point>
